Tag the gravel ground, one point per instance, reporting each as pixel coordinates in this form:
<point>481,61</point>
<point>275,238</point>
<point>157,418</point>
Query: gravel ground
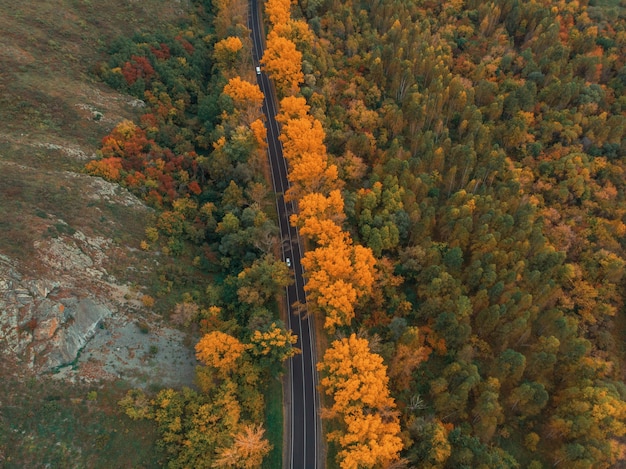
<point>142,355</point>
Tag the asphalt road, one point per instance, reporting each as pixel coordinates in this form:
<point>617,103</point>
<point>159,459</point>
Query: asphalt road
<point>304,425</point>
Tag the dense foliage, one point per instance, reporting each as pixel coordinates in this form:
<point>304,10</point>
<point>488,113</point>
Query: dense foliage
<point>339,273</point>
<point>488,143</point>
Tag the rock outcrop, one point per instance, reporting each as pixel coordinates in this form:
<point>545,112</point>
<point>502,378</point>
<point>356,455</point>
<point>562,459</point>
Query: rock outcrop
<point>42,324</point>
<point>81,316</point>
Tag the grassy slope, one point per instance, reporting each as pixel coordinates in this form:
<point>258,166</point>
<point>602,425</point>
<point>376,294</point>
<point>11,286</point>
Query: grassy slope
<point>48,126</point>
<point>43,423</point>
<point>48,104</point>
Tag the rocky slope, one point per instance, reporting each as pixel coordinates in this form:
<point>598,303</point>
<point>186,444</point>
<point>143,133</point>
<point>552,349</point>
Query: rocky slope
<point>70,316</point>
<point>71,271</point>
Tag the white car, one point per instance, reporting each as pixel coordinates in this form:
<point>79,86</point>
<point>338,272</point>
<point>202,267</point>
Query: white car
<point>288,262</point>
<point>258,70</point>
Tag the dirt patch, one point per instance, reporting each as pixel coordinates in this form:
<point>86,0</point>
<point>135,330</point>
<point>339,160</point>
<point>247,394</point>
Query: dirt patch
<point>141,353</point>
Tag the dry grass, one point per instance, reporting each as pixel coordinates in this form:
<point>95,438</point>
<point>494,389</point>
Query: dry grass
<point>48,93</point>
<point>54,112</point>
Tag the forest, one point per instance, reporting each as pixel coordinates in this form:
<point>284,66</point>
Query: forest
<point>463,160</point>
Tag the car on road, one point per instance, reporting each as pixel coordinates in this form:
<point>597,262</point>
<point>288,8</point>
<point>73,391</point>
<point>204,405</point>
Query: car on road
<point>288,262</point>
<point>258,70</point>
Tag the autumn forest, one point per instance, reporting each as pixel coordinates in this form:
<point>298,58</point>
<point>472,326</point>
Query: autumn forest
<point>459,168</point>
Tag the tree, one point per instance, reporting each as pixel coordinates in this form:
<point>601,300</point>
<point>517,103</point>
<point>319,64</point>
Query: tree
<point>283,62</point>
<point>302,135</point>
<point>127,141</point>
<point>247,450</point>
<point>432,447</point>
<point>231,14</point>
<point>410,352</point>
<point>509,367</point>
<point>227,52</point>
<point>106,168</point>
<point>587,417</point>
<point>319,217</point>
<point>137,68</point>
<point>187,423</point>
<point>338,274</point>
<point>528,399</point>
<point>515,261</point>
<point>260,133</point>
<point>220,351</point>
<point>278,11</point>
<point>369,441</point>
<point>272,346</point>
<point>487,411</point>
<point>262,281</point>
<point>356,379</point>
<point>377,210</point>
<point>247,98</point>
<point>451,390</point>
<point>293,107</point>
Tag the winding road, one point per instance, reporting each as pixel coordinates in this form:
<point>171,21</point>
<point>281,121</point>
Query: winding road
<point>303,450</point>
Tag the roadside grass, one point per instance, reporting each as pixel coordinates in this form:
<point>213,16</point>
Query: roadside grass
<point>40,157</point>
<point>49,91</point>
<point>274,423</point>
<point>54,113</point>
<point>46,423</point>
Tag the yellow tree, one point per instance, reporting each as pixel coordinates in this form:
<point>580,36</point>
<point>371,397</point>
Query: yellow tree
<point>371,440</point>
<point>354,375</point>
<point>302,135</point>
<point>247,98</point>
<point>276,342</point>
<point>260,133</point>
<point>303,147</point>
<point>227,51</point>
<point>293,107</point>
<point>243,92</point>
<point>339,275</point>
<point>278,11</point>
<point>283,62</point>
<point>270,347</point>
<point>220,351</point>
<point>312,173</point>
<point>320,217</point>
<point>356,378</point>
<point>328,286</point>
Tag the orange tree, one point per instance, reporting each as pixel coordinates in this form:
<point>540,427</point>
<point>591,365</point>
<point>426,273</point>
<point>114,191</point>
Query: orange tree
<point>357,381</point>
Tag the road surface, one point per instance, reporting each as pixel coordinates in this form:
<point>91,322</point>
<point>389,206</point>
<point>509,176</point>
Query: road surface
<point>304,426</point>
